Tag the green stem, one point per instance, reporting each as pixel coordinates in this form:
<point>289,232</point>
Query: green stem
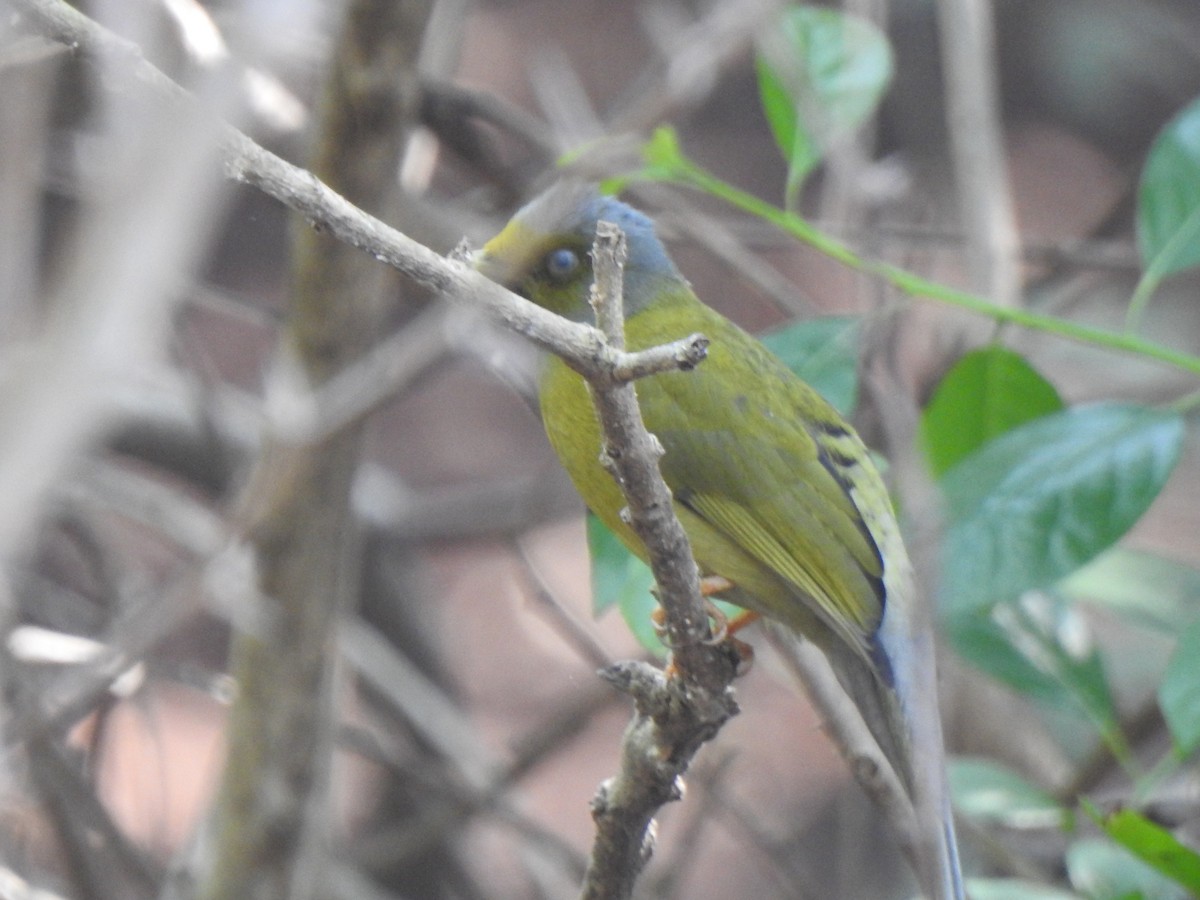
<point>1145,786</point>
<point>1159,268</point>
<point>1100,713</point>
<point>681,169</point>
<point>1185,404</point>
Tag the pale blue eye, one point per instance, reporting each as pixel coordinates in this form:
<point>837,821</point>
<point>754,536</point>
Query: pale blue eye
<point>562,263</point>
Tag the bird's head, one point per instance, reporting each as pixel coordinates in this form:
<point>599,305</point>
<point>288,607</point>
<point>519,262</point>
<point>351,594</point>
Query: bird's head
<point>544,252</point>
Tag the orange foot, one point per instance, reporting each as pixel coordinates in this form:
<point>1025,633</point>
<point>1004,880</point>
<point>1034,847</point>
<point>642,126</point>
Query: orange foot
<point>723,628</point>
<point>710,585</point>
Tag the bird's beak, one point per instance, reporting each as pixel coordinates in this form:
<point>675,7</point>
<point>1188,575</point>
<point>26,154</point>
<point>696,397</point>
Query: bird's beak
<point>490,265</point>
<point>507,257</point>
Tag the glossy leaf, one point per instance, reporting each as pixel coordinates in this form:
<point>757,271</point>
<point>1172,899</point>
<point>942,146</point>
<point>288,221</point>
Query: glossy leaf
<point>1168,213</point>
<point>616,573</point>
<point>984,642</point>
<point>987,392</point>
<point>1179,693</point>
<point>1103,871</point>
<point>1155,846</point>
<point>1146,589</point>
<point>821,73</point>
<point>987,791</point>
<point>824,352</point>
<point>1036,503</point>
<point>1043,648</point>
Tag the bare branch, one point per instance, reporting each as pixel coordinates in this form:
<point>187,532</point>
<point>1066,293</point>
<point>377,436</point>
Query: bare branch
<point>674,716</point>
<point>977,144</point>
<point>301,413</point>
<point>574,633</point>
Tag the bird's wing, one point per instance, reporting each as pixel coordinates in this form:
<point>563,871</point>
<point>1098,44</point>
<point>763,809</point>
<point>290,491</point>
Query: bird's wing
<point>751,466</point>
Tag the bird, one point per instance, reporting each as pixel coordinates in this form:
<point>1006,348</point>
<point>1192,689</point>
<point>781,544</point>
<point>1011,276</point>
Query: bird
<point>777,493</point>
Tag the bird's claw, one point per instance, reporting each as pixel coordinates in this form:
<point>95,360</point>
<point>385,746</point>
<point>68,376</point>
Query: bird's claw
<point>721,628</point>
<point>718,627</point>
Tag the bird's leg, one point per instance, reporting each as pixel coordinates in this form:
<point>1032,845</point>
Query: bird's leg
<point>723,628</point>
<point>719,625</point>
<point>711,585</point>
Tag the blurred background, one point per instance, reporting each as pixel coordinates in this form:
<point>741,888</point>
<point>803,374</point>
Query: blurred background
<point>144,301</point>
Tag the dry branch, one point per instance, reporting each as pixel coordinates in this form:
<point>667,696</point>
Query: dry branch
<point>674,716</point>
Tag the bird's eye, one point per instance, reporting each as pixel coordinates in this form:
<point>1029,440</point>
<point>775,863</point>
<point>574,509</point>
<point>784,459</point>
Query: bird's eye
<point>562,263</point>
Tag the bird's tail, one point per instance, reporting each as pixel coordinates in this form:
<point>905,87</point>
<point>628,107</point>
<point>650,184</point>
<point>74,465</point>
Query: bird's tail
<point>909,731</point>
<point>909,735</point>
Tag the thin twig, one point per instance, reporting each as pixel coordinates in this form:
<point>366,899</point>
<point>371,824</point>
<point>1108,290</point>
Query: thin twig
<point>305,414</point>
<point>437,718</point>
<point>569,628</point>
<point>463,794</point>
<point>694,55</point>
<point>977,144</point>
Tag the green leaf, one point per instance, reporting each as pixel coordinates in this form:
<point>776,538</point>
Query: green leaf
<point>1043,648</point>
<point>663,155</point>
<point>621,579</point>
<point>616,573</point>
<point>1168,213</point>
<point>821,73</point>
<point>1104,871</point>
<point>1154,845</point>
<point>1014,889</point>
<point>983,641</point>
<point>1149,590</point>
<point>824,353</point>
<point>638,611</point>
<point>986,790</point>
<point>662,160</point>
<point>987,392</point>
<point>1178,694</point>
<point>1036,503</point>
